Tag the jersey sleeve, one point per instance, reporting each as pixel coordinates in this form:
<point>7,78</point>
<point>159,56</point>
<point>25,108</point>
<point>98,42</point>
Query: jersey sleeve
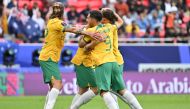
<point>115,26</point>
<point>59,26</point>
<point>88,38</point>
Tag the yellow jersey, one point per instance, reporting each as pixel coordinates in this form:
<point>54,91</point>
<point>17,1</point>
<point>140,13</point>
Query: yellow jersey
<point>118,56</point>
<point>103,52</point>
<point>81,57</point>
<point>54,41</point>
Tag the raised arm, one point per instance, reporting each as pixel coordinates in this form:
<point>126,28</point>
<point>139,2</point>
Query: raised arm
<point>119,21</point>
<point>94,35</point>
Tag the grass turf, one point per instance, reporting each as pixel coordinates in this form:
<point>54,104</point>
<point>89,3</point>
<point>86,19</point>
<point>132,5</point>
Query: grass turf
<point>63,102</point>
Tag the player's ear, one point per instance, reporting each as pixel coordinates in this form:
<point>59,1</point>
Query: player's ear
<point>103,20</point>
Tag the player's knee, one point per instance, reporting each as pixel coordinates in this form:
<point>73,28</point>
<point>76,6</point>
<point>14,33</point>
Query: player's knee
<point>102,92</point>
<point>121,92</point>
<point>50,86</point>
<point>82,90</point>
<point>57,84</point>
<point>95,90</point>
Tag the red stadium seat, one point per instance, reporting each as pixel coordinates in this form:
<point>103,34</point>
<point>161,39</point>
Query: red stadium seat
<point>39,2</point>
<point>30,3</point>
<point>188,3</point>
<point>162,34</point>
<point>186,19</point>
<point>146,3</point>
<point>95,4</point>
<point>81,4</point>
<point>140,34</point>
<point>21,3</point>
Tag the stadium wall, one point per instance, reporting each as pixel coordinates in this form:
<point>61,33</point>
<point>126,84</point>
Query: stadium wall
<point>133,54</point>
<point>27,79</point>
<point>18,84</point>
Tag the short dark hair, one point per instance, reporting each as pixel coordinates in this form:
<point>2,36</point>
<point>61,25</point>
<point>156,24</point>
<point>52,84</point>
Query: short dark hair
<point>109,14</point>
<point>96,15</point>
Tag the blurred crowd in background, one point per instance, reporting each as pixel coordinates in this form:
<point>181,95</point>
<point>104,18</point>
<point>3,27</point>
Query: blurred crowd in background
<point>24,21</point>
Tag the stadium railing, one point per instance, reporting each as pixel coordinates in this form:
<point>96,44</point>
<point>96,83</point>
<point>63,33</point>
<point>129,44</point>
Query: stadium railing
<point>144,40</point>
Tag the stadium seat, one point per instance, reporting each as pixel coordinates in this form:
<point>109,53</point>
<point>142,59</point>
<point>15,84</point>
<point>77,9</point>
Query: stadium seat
<point>40,4</point>
<point>30,3</point>
<point>188,3</point>
<point>95,4</point>
<point>21,3</point>
<point>81,4</point>
<point>162,34</point>
<point>146,3</point>
<point>186,19</point>
<point>140,34</point>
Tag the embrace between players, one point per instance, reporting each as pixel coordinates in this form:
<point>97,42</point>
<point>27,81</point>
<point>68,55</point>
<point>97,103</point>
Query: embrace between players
<point>98,62</point>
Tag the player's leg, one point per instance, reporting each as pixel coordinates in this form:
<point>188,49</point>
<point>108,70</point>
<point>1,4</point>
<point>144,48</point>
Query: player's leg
<point>103,78</point>
<point>115,98</point>
<point>47,96</point>
<point>85,79</point>
<point>86,97</point>
<point>53,94</point>
<point>109,100</point>
<point>51,76</point>
<point>77,96</point>
<point>131,99</point>
<point>119,86</point>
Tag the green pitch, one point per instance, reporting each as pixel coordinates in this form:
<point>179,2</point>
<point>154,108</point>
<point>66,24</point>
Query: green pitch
<point>63,102</point>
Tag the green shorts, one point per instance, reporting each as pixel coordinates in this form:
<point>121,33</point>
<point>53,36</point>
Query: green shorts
<point>50,70</point>
<point>104,75</point>
<point>85,76</point>
<point>117,81</point>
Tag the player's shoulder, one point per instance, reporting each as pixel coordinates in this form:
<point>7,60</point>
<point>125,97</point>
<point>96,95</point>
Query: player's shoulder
<point>55,21</point>
<point>91,29</point>
<point>114,26</point>
<point>111,26</point>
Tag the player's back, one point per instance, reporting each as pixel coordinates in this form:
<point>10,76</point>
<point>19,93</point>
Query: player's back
<point>54,40</point>
<point>117,53</point>
<point>103,52</point>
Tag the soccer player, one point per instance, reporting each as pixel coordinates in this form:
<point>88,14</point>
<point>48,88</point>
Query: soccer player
<point>105,62</point>
<point>108,74</point>
<point>51,50</point>
<point>84,66</point>
<point>117,82</point>
<point>88,95</point>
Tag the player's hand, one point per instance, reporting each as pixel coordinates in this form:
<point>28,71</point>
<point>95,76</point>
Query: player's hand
<point>63,23</point>
<point>99,36</point>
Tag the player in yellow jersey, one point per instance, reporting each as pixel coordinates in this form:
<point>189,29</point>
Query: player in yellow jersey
<point>51,50</point>
<point>117,82</point>
<point>103,55</point>
<point>108,74</point>
<point>84,67</point>
<point>104,60</point>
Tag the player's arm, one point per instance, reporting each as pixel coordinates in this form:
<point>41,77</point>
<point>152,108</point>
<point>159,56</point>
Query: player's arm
<point>90,46</point>
<point>95,35</point>
<point>119,21</point>
<point>82,42</point>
